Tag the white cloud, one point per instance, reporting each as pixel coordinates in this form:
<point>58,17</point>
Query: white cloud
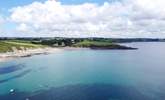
<point>1,24</point>
<point>1,20</point>
<point>127,18</point>
<point>22,28</point>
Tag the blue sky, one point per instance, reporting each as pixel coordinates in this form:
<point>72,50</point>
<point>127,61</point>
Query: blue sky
<point>12,3</point>
<point>7,4</point>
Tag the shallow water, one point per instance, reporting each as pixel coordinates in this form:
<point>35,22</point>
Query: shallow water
<point>87,75</point>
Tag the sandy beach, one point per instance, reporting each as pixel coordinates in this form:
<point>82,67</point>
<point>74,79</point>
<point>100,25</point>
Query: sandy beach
<point>27,53</point>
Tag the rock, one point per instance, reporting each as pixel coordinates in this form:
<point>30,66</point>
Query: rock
<point>12,91</point>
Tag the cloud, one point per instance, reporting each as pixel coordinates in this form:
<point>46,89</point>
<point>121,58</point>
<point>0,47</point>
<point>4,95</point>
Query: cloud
<point>127,18</point>
<point>2,21</point>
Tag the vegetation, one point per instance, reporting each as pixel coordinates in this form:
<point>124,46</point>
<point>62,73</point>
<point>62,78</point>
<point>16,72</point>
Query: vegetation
<point>87,43</point>
<point>100,45</point>
<point>9,45</point>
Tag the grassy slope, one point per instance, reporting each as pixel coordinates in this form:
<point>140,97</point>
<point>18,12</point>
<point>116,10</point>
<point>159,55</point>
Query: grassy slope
<point>6,46</point>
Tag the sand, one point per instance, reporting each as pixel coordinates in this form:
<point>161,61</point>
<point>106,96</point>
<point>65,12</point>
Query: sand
<point>26,53</point>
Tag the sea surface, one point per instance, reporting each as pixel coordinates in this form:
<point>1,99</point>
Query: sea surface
<point>86,74</point>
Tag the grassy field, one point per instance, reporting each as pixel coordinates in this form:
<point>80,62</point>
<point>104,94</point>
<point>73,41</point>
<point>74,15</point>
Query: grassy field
<point>92,43</point>
<point>8,45</point>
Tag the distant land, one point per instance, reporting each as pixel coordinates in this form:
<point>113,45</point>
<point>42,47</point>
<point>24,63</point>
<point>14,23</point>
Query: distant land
<point>13,44</point>
<point>7,44</point>
<point>116,40</point>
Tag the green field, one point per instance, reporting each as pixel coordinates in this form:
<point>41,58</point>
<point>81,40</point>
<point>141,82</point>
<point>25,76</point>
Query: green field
<point>87,43</point>
<point>8,45</point>
<point>93,44</point>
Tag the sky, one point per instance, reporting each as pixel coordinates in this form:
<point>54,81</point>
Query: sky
<point>82,18</point>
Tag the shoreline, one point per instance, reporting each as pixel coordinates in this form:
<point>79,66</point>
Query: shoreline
<point>26,53</point>
<point>39,51</point>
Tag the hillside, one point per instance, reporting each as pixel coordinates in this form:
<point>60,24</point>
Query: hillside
<point>100,45</point>
<point>11,45</point>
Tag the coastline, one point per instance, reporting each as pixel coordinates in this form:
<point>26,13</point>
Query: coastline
<point>27,53</point>
<point>31,52</point>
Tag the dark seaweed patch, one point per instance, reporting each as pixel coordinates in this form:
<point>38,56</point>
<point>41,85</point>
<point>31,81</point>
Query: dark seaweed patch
<point>16,76</point>
<point>10,69</point>
<point>81,92</point>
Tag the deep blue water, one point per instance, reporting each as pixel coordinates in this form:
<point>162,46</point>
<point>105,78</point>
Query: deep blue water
<point>87,75</point>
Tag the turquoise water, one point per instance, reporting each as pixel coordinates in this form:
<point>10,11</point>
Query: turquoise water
<point>87,75</point>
